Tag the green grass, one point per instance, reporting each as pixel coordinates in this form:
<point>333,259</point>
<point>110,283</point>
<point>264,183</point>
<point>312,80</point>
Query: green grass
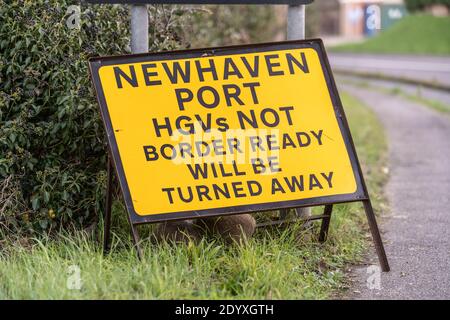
<point>415,34</point>
<point>417,97</point>
<point>277,263</point>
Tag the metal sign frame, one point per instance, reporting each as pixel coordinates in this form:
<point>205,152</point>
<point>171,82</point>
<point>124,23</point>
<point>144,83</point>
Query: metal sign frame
<point>361,194</point>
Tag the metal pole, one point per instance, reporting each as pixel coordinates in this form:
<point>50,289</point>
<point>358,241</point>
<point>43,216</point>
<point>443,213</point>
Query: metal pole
<point>139,28</point>
<point>296,22</point>
<point>296,31</point>
<point>139,44</point>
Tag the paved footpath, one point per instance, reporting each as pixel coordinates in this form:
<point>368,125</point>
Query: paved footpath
<point>417,230</point>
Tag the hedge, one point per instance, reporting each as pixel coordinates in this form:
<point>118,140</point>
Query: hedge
<point>52,142</point>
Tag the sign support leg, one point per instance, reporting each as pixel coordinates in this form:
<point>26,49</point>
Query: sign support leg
<point>107,216</point>
<point>325,223</point>
<point>136,239</point>
<point>376,236</point>
<point>108,204</point>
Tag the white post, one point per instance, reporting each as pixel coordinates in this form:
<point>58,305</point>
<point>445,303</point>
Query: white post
<point>296,31</point>
<point>139,28</point>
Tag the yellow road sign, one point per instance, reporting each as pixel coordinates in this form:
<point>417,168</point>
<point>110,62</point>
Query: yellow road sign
<point>226,130</point>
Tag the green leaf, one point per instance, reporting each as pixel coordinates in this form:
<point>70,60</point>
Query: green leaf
<point>35,203</point>
<point>43,224</point>
<point>46,196</point>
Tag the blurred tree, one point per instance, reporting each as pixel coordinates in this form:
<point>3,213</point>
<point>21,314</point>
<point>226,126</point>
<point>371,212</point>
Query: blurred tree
<point>227,25</point>
<point>312,20</point>
<point>420,5</point>
<point>218,25</point>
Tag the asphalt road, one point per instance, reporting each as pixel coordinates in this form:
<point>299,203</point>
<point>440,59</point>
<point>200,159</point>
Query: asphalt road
<point>432,69</point>
<point>416,231</point>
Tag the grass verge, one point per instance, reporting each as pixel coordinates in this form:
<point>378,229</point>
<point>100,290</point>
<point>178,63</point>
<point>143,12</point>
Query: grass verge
<point>278,263</point>
<point>398,91</point>
<point>415,34</point>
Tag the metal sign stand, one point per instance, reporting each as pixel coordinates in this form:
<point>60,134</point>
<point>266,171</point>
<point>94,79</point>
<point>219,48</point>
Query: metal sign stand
<point>325,217</point>
<point>296,30</point>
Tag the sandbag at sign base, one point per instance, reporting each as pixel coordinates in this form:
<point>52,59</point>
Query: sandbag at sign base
<point>237,228</point>
<point>178,232</point>
<point>233,229</point>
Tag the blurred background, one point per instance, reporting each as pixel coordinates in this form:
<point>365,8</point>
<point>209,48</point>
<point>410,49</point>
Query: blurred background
<point>340,22</point>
